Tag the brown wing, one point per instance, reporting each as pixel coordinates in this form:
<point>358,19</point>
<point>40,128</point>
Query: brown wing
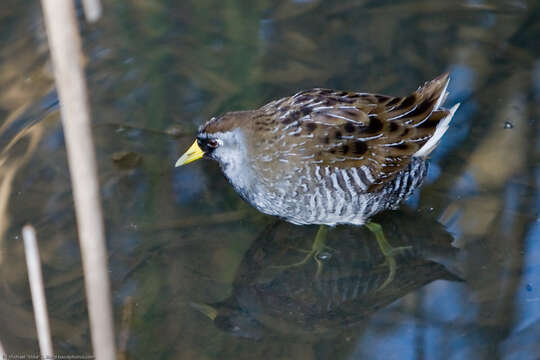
<point>376,133</point>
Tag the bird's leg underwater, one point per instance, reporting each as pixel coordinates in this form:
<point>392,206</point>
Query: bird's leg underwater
<point>388,251</point>
<point>319,246</point>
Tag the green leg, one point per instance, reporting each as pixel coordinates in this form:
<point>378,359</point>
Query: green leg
<point>318,247</point>
<point>388,251</point>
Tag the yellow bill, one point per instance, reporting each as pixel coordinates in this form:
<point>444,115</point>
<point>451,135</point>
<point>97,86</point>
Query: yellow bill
<point>193,153</point>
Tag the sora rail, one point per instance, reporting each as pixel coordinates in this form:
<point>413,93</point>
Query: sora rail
<point>325,156</point>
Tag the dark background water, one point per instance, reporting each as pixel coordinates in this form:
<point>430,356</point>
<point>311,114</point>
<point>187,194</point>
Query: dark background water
<point>181,239</point>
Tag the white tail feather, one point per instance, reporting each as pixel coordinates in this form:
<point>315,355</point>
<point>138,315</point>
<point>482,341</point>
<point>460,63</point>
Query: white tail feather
<point>432,143</point>
<point>443,96</point>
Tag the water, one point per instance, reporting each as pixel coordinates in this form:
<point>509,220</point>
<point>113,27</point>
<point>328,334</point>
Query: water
<point>184,248</point>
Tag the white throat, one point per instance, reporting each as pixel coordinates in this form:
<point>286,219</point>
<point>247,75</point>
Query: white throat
<point>232,156</point>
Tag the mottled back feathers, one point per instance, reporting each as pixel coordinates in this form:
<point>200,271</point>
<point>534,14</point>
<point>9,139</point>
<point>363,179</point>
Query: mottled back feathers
<point>343,129</point>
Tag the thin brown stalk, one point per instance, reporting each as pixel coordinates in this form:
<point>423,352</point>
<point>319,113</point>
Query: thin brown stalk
<point>38,291</point>
<point>127,316</point>
<point>66,53</point>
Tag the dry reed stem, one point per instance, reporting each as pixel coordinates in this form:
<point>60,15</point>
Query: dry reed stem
<point>92,10</point>
<point>3,354</point>
<point>67,59</point>
<point>38,291</point>
<point>125,330</point>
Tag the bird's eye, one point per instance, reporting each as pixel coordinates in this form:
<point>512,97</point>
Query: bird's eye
<point>213,143</point>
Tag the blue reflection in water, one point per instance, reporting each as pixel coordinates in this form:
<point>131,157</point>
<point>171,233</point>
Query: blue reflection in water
<point>466,185</point>
<point>446,315</point>
<point>460,90</point>
<point>266,30</point>
<point>523,337</point>
<point>381,342</point>
<point>188,183</point>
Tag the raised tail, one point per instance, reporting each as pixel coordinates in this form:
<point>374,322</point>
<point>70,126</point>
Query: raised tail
<point>444,121</point>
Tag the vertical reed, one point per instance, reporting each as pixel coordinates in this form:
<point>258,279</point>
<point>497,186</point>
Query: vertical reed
<point>38,291</point>
<point>92,10</point>
<point>3,354</point>
<point>67,58</point>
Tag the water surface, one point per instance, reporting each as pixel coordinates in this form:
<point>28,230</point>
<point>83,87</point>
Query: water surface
<point>194,268</point>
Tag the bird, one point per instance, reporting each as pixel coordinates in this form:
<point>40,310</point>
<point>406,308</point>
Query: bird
<point>328,157</point>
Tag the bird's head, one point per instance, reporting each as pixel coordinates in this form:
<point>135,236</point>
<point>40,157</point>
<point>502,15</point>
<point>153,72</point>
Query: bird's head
<point>221,139</point>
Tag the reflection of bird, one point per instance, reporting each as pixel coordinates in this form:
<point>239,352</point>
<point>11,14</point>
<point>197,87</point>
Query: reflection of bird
<point>266,300</point>
<point>327,157</point>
